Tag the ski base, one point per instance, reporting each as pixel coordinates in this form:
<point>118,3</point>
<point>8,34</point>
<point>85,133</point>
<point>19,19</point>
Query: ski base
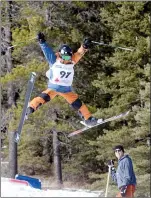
<point>99,123</point>
<point>27,98</point>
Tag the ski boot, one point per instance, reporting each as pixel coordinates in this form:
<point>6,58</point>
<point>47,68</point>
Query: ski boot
<point>91,121</point>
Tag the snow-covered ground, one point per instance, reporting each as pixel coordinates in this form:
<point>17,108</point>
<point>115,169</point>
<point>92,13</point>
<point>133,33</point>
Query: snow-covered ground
<point>12,189</point>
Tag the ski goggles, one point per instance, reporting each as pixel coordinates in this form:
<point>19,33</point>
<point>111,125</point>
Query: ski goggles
<point>66,57</point>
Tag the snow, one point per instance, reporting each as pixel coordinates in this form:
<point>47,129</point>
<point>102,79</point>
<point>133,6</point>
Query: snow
<point>10,189</point>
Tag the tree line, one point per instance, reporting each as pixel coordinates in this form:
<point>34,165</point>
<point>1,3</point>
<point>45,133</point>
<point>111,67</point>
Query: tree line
<point>108,80</point>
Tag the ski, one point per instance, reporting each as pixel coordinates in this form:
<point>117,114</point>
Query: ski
<point>27,98</point>
<point>99,123</point>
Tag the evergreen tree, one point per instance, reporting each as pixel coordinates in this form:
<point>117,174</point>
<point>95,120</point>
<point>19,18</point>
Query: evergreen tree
<point>128,23</point>
<point>108,80</point>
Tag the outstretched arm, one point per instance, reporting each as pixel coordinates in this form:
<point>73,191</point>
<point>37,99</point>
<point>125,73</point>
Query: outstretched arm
<point>82,50</point>
<point>48,52</point>
<point>78,55</point>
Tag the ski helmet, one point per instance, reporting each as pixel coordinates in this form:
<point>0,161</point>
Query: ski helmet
<point>65,52</point>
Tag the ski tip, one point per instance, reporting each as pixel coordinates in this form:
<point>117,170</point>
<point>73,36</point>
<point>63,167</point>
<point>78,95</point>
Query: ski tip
<point>70,135</point>
<point>33,73</point>
<point>127,112</point>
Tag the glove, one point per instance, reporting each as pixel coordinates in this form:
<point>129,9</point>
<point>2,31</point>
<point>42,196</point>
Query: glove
<point>87,43</point>
<point>110,163</point>
<point>41,37</point>
<point>123,190</point>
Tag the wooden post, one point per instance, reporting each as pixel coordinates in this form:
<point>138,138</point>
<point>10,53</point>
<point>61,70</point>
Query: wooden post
<point>12,155</point>
<point>57,160</point>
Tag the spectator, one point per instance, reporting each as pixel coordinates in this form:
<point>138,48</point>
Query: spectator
<point>124,176</point>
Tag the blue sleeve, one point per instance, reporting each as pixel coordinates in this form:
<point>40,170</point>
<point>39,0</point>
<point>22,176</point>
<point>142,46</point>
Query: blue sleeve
<point>113,175</point>
<point>128,171</point>
<point>49,53</point>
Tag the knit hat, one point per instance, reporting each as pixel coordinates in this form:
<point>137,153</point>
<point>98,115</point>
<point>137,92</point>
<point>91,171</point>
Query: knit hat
<point>119,147</point>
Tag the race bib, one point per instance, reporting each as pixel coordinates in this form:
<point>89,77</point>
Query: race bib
<point>61,74</point>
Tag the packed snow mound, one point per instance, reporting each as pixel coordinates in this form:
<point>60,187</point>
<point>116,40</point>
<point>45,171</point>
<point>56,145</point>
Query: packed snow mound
<point>14,189</point>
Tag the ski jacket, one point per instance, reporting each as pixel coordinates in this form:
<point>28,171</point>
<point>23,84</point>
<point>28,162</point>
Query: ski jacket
<point>124,175</point>
<point>61,72</point>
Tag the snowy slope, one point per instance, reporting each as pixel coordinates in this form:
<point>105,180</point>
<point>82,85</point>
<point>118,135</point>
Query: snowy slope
<point>10,189</point>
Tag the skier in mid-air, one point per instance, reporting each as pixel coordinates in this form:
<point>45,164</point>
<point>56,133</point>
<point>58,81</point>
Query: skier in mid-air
<point>60,77</point>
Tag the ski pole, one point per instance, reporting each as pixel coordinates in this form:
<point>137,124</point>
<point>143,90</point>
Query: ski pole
<point>3,52</point>
<point>107,184</point>
<point>118,47</point>
<point>20,42</point>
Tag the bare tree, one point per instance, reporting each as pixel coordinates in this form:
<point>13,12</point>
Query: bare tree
<point>57,159</point>
<point>7,40</point>
<point>8,52</point>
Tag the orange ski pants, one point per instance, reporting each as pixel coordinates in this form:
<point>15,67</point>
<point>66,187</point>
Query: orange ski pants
<point>70,97</point>
<point>129,191</point>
